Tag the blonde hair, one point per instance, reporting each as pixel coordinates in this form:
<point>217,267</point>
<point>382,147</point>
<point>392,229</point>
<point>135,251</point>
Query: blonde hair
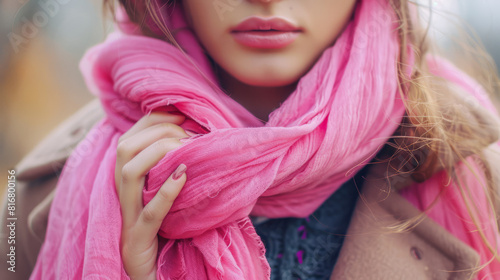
<point>433,135</point>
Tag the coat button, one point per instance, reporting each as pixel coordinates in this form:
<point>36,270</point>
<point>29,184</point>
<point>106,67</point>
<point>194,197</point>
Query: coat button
<point>415,252</point>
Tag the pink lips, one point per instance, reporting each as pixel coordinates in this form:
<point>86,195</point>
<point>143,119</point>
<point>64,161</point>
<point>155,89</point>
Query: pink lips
<point>265,33</point>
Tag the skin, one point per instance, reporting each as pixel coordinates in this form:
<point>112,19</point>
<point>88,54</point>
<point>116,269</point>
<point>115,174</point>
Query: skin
<point>259,79</point>
<point>139,149</point>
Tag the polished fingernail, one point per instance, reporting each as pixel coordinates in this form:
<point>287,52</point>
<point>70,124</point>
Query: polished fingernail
<point>181,169</point>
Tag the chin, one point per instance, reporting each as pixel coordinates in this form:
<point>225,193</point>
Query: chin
<point>268,82</point>
<point>263,79</point>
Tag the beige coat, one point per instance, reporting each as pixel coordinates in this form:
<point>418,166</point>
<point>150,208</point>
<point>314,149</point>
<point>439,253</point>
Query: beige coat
<point>370,251</point>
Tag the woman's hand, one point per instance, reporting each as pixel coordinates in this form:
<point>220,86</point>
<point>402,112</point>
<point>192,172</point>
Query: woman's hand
<point>139,149</point>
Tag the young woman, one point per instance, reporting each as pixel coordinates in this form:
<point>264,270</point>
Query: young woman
<point>218,111</point>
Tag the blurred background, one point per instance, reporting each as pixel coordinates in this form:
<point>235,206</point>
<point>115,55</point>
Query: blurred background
<point>41,44</point>
<point>42,41</point>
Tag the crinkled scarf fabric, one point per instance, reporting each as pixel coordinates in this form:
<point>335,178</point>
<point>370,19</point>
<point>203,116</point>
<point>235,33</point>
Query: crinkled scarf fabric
<point>342,112</point>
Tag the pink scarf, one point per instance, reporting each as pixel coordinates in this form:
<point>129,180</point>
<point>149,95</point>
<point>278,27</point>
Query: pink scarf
<point>342,112</point>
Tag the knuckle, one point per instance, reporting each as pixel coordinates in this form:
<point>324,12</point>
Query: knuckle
<point>166,194</point>
<point>128,173</point>
<point>124,150</point>
<point>149,120</point>
<point>121,138</point>
<point>167,126</point>
<point>159,146</point>
<point>149,214</point>
<point>165,145</point>
<point>170,128</point>
<point>175,142</point>
<point>128,252</point>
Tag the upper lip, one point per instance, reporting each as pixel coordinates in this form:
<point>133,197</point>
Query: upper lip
<point>258,23</point>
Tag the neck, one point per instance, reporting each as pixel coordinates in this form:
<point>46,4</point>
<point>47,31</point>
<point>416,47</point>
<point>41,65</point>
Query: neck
<point>260,101</point>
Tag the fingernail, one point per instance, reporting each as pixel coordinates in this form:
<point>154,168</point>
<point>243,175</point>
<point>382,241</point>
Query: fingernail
<point>181,169</point>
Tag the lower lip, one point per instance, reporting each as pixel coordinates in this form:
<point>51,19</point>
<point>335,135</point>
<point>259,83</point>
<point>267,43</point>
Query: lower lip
<point>265,39</point>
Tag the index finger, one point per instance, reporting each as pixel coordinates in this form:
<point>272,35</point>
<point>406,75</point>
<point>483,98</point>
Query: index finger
<point>153,119</point>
